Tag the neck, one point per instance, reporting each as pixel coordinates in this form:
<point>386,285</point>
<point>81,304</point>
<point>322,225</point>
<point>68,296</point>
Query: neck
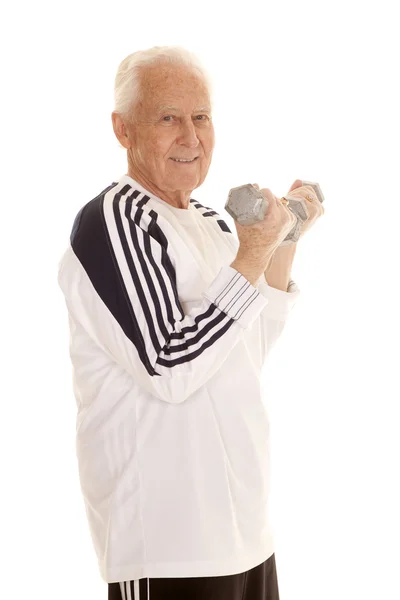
<point>178,199</point>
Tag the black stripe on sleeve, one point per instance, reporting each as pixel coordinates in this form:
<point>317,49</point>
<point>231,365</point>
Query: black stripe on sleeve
<point>92,244</point>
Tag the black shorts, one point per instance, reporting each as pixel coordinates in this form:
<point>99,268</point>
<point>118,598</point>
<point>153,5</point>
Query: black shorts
<point>259,583</point>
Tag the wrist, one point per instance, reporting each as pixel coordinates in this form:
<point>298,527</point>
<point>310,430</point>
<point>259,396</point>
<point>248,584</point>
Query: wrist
<point>261,255</point>
<point>287,251</point>
<point>278,272</point>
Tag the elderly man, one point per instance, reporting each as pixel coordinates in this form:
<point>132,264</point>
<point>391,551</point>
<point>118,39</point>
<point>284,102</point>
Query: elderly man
<point>170,329</point>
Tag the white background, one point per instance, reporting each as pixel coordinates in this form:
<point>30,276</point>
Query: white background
<point>302,90</point>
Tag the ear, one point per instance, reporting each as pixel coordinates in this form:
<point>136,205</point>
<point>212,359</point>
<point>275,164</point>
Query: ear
<point>120,130</point>
<point>296,184</point>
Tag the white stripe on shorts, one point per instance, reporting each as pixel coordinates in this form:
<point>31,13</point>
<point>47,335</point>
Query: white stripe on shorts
<point>126,589</point>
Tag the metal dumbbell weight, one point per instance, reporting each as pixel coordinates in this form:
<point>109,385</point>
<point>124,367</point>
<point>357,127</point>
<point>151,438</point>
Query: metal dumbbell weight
<point>247,205</point>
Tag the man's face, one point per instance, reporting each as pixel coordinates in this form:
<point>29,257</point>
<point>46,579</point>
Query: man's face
<point>172,120</point>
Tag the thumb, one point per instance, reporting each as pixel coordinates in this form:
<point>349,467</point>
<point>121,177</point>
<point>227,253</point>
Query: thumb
<point>296,184</point>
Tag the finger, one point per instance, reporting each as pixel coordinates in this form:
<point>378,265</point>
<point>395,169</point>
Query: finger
<point>256,185</point>
<point>280,201</point>
<point>293,216</point>
<point>313,194</point>
<point>308,194</point>
<point>269,195</point>
<point>286,209</point>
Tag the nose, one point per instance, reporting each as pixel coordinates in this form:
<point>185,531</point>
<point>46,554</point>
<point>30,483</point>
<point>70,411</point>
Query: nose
<point>187,134</point>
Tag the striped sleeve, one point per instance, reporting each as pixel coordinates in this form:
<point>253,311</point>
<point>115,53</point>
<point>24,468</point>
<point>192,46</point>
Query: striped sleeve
<point>119,283</point>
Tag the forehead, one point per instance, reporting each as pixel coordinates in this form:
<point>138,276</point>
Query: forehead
<point>174,87</point>
<point>162,107</point>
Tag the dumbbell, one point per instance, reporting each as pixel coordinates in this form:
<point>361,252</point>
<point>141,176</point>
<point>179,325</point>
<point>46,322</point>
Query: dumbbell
<point>248,205</point>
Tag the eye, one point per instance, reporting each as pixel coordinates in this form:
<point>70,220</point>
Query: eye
<point>170,117</point>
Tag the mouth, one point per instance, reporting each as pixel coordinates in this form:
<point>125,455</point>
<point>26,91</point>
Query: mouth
<point>184,161</point>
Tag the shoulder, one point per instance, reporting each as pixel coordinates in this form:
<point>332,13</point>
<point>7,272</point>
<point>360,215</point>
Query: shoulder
<point>113,212</point>
<point>89,216</point>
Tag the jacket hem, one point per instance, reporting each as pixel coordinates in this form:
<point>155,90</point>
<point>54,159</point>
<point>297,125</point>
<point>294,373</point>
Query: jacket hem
<point>232,566</point>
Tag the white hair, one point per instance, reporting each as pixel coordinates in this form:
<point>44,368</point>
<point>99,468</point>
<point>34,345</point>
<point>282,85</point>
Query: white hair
<point>127,85</point>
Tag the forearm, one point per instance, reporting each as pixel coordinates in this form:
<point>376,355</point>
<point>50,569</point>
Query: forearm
<point>278,271</point>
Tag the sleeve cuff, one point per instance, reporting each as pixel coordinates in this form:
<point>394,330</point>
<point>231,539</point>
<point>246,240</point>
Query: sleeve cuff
<point>280,303</point>
<point>293,287</point>
<point>234,295</point>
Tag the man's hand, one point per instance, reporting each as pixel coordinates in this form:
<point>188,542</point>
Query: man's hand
<point>314,208</point>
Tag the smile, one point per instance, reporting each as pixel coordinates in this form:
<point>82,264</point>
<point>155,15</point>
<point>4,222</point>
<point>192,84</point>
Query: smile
<point>181,160</point>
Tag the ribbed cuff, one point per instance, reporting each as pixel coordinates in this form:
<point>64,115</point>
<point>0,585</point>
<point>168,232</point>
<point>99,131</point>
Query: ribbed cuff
<point>280,302</point>
<point>234,295</point>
